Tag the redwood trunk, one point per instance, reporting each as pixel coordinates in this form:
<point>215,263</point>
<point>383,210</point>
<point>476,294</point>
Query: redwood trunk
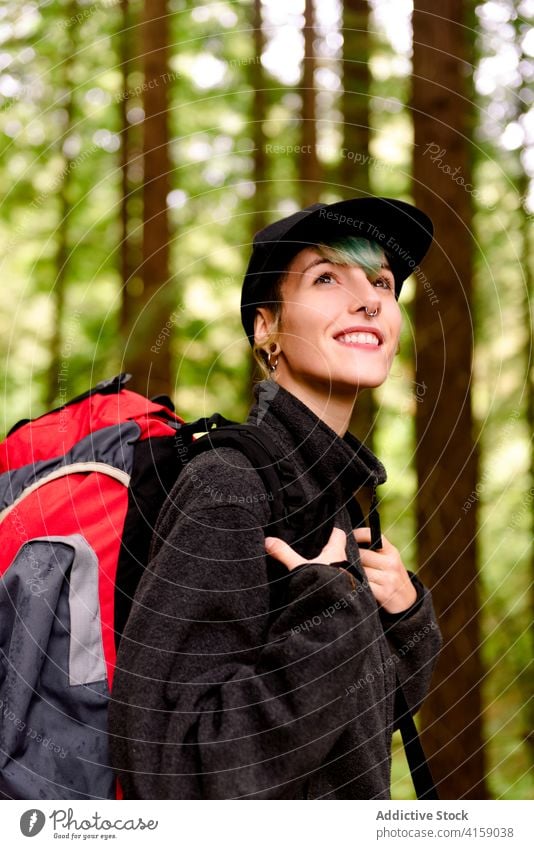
<point>127,259</point>
<point>260,174</point>
<point>354,168</point>
<point>308,162</point>
<point>57,388</point>
<point>259,112</point>
<point>446,449</point>
<point>148,355</point>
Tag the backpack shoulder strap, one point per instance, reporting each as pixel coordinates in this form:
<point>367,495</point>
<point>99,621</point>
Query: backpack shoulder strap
<point>262,453</point>
<point>415,754</point>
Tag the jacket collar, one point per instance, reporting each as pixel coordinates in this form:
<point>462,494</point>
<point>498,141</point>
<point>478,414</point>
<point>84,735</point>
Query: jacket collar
<point>333,461</point>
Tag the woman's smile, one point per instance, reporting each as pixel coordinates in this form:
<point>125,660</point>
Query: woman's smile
<point>366,338</point>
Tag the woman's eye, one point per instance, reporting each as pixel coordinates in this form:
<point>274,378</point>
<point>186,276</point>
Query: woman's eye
<point>325,278</point>
<point>382,281</point>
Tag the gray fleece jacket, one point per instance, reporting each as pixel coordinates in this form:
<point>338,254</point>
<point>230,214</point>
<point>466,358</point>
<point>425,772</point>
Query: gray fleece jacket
<point>237,678</point>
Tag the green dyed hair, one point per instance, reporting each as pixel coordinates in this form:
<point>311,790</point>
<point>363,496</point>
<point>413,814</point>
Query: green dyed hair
<point>354,250</point>
<point>350,250</point>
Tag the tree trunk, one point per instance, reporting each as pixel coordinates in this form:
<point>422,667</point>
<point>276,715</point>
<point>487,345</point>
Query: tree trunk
<point>355,99</point>
<point>148,356</point>
<point>525,252</point>
<point>355,177</point>
<point>309,170</point>
<point>447,460</point>
<point>526,260</point>
<point>259,111</point>
<point>129,250</point>
<point>58,372</point>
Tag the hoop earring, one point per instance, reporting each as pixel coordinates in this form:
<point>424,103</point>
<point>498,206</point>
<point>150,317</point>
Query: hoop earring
<point>273,350</point>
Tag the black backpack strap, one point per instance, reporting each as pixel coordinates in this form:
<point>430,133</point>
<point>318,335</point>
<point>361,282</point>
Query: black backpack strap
<point>373,519</point>
<point>415,755</point>
<point>262,453</point>
<point>204,425</point>
<point>276,474</point>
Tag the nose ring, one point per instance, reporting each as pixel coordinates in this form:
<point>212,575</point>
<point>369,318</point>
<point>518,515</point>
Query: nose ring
<point>371,314</point>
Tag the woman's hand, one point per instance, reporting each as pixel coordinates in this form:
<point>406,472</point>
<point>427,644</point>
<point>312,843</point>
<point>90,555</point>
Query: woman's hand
<point>388,579</point>
<point>333,552</point>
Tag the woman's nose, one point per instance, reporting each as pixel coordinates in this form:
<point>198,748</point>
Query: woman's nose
<point>367,300</point>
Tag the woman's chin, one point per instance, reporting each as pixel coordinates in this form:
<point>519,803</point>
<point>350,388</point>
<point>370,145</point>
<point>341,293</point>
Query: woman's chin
<point>357,382</point>
<point>349,387</point>
<point>345,382</point>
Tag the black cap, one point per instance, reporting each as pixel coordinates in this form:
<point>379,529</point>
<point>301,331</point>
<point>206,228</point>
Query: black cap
<point>403,230</point>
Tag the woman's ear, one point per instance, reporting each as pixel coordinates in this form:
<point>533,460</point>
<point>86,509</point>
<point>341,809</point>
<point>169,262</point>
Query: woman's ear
<point>263,321</point>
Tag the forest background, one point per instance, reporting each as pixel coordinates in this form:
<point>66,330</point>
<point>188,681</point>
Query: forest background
<point>142,146</point>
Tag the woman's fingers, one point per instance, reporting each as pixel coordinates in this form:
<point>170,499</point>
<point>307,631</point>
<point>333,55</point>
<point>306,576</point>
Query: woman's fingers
<point>363,535</point>
<point>388,579</point>
<point>283,552</point>
<point>335,548</point>
<point>333,551</point>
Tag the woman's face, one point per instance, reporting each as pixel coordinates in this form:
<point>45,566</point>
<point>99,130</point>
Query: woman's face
<point>320,300</point>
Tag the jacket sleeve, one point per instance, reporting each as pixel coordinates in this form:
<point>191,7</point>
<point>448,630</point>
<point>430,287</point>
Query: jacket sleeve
<point>415,640</point>
<point>212,698</point>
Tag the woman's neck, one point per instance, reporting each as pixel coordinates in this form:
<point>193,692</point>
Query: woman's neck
<point>334,410</point>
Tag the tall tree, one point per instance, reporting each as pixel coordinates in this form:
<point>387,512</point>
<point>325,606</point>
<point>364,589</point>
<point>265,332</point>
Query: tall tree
<point>354,178</point>
<point>355,99</point>
<point>129,163</point>
<point>526,255</point>
<point>526,258</point>
<point>57,377</point>
<point>309,169</point>
<point>260,171</point>
<point>146,356</point>
<point>447,457</point>
<point>257,81</point>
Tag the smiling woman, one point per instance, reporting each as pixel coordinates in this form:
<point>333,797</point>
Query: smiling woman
<point>236,671</point>
<point>323,347</point>
<point>347,252</point>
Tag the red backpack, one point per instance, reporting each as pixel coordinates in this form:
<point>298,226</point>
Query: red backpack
<point>80,490</point>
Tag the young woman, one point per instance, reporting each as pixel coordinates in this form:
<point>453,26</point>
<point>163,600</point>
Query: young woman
<point>220,691</point>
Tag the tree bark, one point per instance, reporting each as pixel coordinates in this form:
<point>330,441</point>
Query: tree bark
<point>447,457</point>
<point>525,252</point>
<point>354,169</point>
<point>309,169</point>
<point>259,108</point>
<point>130,248</point>
<point>526,263</point>
<point>525,229</point>
<point>148,355</point>
<point>260,171</point>
<point>354,177</point>
<point>58,371</point>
